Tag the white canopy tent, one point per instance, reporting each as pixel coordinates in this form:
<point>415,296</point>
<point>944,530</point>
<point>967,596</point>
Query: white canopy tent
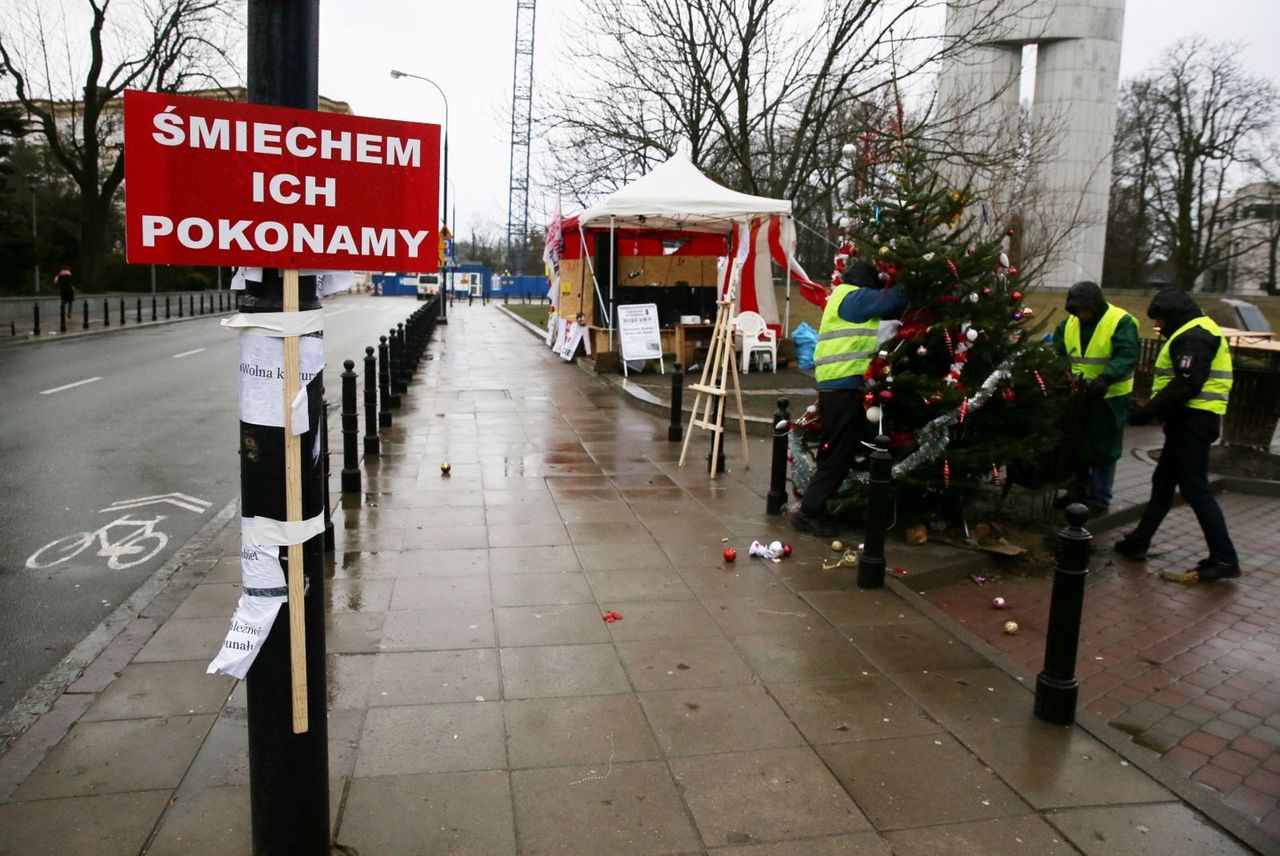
<point>676,195</point>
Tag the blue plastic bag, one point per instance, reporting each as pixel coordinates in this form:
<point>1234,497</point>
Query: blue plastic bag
<point>806,339</point>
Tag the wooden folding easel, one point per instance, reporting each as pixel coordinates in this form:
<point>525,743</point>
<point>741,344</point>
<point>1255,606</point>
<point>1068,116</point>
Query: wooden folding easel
<point>712,389</point>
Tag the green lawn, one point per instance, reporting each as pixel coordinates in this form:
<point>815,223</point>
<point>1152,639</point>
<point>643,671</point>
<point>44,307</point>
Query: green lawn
<point>534,313</point>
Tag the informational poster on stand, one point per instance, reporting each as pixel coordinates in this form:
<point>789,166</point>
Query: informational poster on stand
<point>639,334</point>
<point>216,182</point>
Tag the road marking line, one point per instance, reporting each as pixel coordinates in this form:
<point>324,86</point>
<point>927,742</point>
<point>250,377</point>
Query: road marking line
<point>68,386</point>
<point>187,353</point>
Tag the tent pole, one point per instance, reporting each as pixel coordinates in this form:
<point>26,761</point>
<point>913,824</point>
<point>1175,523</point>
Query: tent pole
<point>613,275</point>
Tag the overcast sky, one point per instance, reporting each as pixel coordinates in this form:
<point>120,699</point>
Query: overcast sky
<point>467,48</point>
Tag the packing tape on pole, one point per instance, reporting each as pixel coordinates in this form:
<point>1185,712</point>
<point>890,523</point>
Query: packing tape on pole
<point>281,533</point>
<point>278,324</point>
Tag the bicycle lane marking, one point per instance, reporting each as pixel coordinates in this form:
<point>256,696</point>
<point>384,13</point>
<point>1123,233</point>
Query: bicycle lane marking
<point>69,386</point>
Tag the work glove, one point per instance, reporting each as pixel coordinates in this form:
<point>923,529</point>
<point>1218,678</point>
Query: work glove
<point>1097,388</point>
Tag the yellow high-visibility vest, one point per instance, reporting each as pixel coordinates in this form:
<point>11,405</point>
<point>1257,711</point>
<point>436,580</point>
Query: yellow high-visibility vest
<point>843,349</point>
<point>1217,389</point>
<point>1089,362</point>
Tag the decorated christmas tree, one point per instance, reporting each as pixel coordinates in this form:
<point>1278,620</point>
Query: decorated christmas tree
<point>965,388</point>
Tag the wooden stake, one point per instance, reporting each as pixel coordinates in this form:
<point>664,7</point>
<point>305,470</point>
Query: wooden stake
<point>293,512</point>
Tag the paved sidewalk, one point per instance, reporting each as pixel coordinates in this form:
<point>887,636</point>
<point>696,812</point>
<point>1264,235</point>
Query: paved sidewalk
<point>479,704</point>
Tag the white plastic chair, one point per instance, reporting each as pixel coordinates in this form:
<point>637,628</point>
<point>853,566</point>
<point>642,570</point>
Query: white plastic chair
<point>756,338</point>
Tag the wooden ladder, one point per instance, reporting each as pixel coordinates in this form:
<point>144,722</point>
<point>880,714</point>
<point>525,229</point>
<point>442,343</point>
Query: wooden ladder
<point>720,365</point>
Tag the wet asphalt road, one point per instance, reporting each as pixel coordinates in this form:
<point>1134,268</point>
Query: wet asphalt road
<point>157,416</point>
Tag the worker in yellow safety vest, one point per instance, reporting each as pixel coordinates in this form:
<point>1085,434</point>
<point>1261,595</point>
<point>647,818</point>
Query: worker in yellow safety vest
<point>1101,341</point>
<point>847,342</point>
<point>1190,390</point>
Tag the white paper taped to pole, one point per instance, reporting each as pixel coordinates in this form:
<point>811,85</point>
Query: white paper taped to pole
<point>327,281</point>
<point>249,628</point>
<point>261,573</point>
<point>267,532</point>
<point>298,422</point>
<point>262,375</point>
<point>281,324</point>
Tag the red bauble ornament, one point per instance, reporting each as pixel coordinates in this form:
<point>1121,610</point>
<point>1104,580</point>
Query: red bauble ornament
<point>886,395</point>
<point>1013,271</point>
<point>786,549</point>
<point>1017,295</point>
<point>869,400</point>
<point>1009,232</point>
<point>1009,394</point>
<point>986,292</point>
<point>730,554</point>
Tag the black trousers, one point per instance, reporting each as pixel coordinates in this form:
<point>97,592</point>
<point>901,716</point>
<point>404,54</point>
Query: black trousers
<point>1184,465</point>
<point>845,423</point>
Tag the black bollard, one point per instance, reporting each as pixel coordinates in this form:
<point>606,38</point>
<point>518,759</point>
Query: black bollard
<point>1056,686</point>
<point>63,311</point>
<point>35,318</point>
<point>192,300</point>
<point>350,430</point>
<point>393,368</point>
<point>329,542</point>
<point>776,501</point>
<point>122,312</point>
<point>138,311</point>
<point>106,313</point>
<point>402,358</point>
<point>202,312</point>
<point>718,466</point>
<point>384,382</point>
<point>167,314</point>
<point>675,431</point>
<point>180,310</point>
<point>85,307</point>
<point>371,444</point>
<point>879,501</point>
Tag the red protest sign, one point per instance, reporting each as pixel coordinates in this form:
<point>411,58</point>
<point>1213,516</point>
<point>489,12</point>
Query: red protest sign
<point>223,183</point>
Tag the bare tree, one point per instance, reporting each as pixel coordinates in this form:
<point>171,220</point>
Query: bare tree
<point>69,84</point>
<point>764,93</point>
<point>1189,129</point>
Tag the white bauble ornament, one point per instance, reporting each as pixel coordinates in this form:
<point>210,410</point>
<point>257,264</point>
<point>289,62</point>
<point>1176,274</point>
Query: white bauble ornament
<point>971,335</point>
<point>845,222</point>
<point>848,150</point>
<point>874,414</point>
<point>921,351</point>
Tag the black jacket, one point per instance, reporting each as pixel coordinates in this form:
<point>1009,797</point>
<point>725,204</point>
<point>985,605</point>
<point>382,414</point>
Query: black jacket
<point>1192,354</point>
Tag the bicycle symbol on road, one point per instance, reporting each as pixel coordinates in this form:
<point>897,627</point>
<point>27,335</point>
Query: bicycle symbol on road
<point>125,541</point>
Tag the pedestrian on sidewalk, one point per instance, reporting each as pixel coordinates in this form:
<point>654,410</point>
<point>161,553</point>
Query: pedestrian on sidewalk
<point>847,342</point>
<point>66,290</point>
<point>1101,340</point>
<point>1190,391</point>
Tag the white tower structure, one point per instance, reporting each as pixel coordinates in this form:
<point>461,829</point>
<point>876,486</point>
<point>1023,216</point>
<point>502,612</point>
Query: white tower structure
<point>1076,81</point>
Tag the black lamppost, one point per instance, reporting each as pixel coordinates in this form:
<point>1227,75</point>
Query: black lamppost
<point>444,185</point>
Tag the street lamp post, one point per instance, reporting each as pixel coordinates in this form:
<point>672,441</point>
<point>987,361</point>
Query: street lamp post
<point>32,179</point>
<point>444,185</point>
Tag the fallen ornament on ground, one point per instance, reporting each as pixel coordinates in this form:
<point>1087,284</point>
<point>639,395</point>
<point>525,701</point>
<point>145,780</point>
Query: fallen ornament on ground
<point>1011,628</point>
<point>730,554</point>
<point>999,603</point>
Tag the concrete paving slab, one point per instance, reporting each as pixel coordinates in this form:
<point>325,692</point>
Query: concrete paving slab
<point>753,616</point>
<point>623,810</point>
<point>1169,829</point>
<point>1008,836</point>
<point>668,664</point>
<point>867,707</point>
<point>703,721</point>
<point>913,648</point>
<point>541,589</point>
<point>146,690</point>
<point>461,562</point>
<point>862,606</point>
<point>437,592</point>
<point>434,677</point>
<point>637,584</point>
<point>106,825</point>
<point>590,730</point>
<point>780,657</point>
<point>669,619</point>
<point>919,781</point>
<point>446,738</point>
<point>771,795</point>
<point>562,670</point>
<point>553,624</point>
<point>358,595</point>
<point>1054,766</point>
<point>185,639</point>
<point>118,757</point>
<point>969,700</point>
<point>438,629</point>
<point>858,844</point>
<point>533,560</point>
<point>209,600</point>
<point>463,814</point>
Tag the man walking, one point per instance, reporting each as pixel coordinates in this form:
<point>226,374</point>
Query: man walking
<point>66,291</point>
<point>1190,391</point>
<point>1101,340</point>
<point>846,345</point>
